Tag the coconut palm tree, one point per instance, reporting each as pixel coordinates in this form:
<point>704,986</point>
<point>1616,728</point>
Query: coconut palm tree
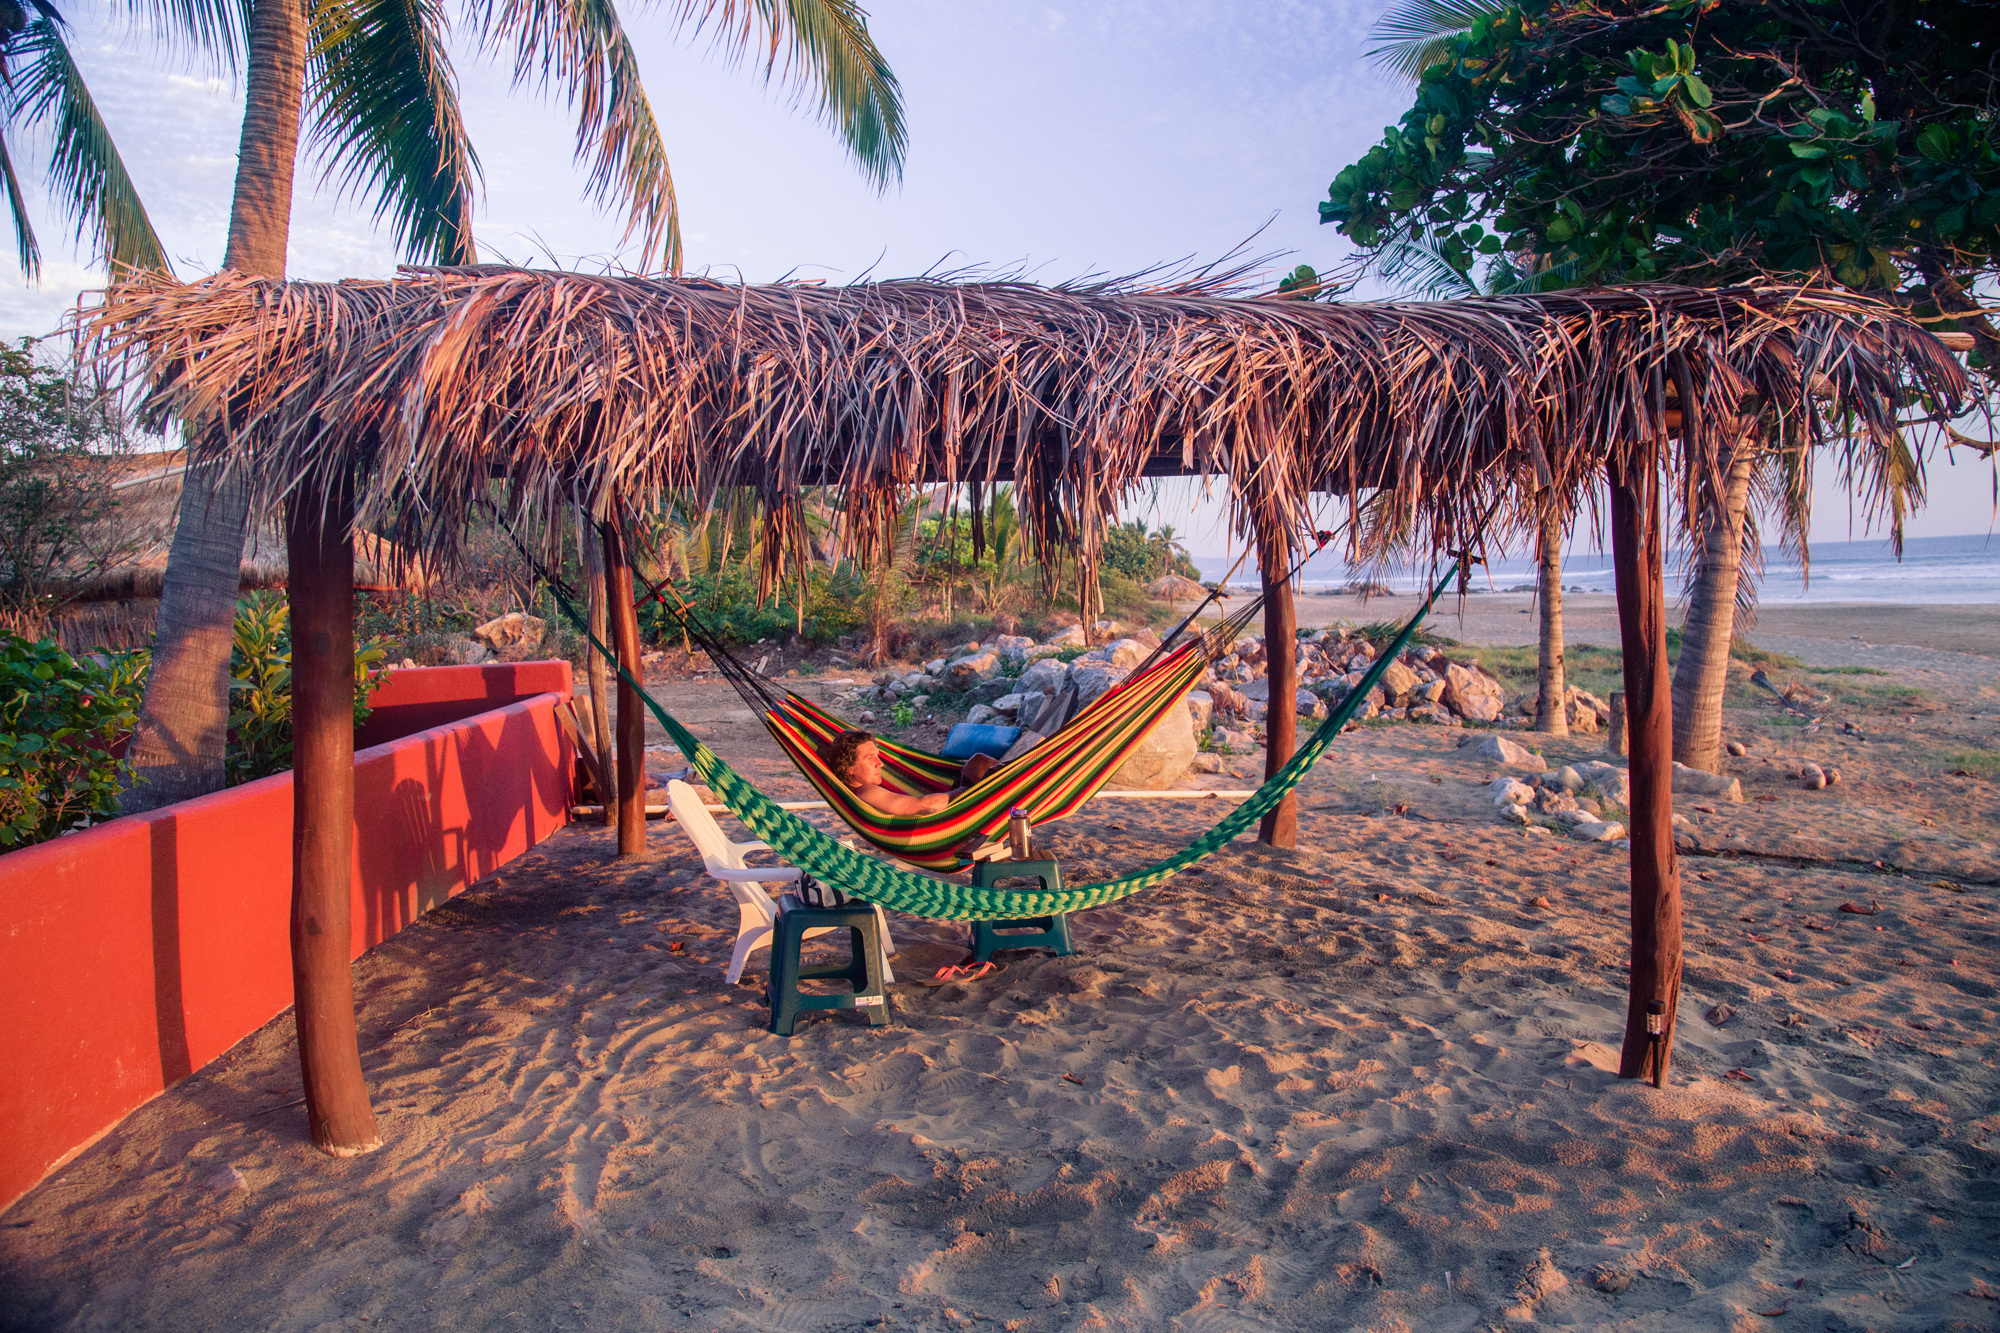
<point>40,85</point>
<point>371,81</point>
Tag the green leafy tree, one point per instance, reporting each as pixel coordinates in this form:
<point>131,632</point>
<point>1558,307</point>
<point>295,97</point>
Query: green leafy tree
<point>59,718</point>
<point>1699,142</point>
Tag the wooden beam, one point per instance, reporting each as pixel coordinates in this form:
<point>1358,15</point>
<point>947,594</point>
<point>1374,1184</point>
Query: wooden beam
<point>1636,553</point>
<point>593,661</point>
<point>1279,828</point>
<point>631,709</point>
<point>320,549</point>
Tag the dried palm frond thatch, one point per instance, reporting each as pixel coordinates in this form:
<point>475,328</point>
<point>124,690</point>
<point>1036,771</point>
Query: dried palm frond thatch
<point>428,388</point>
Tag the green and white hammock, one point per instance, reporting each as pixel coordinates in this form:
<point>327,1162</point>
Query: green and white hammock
<point>861,876</point>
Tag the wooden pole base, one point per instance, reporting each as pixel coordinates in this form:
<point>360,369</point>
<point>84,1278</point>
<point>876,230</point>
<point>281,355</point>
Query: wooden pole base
<point>631,729</point>
<point>1279,828</point>
<point>1636,552</point>
<point>321,590</point>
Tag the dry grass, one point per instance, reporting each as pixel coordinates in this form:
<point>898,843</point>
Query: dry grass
<point>635,391</point>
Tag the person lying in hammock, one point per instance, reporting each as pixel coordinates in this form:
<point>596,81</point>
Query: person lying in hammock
<point>856,760</point>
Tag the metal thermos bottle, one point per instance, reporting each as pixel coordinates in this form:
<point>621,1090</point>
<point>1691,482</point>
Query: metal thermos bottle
<point>1017,832</point>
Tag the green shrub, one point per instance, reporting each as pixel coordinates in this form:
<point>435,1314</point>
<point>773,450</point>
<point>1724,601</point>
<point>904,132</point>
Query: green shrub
<point>58,720</point>
<point>725,602</point>
<point>260,688</point>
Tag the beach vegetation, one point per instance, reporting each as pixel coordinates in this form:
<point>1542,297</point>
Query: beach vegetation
<point>260,687</point>
<point>61,718</point>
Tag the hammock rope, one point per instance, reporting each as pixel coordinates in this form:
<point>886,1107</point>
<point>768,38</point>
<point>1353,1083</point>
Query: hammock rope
<point>861,876</point>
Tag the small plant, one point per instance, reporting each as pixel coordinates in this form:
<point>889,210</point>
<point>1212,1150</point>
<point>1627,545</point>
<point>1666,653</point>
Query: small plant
<point>260,688</point>
<point>59,718</point>
<point>903,714</point>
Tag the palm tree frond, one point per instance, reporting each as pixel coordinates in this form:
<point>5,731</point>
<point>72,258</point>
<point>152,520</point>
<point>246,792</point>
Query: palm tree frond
<point>580,46</point>
<point>86,174</point>
<point>25,248</point>
<point>1416,34</point>
<point>1419,269</point>
<point>385,116</point>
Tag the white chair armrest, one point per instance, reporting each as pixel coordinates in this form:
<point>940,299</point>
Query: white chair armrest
<point>741,847</point>
<point>754,874</point>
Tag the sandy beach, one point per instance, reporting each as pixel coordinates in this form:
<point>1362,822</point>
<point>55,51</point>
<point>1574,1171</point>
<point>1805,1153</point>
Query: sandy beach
<point>1364,1084</point>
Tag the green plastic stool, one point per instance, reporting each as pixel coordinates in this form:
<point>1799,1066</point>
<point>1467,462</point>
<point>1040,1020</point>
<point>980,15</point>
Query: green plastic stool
<point>1034,932</point>
<point>863,970</point>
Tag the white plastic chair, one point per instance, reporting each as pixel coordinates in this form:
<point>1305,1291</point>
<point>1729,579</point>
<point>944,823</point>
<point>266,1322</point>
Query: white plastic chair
<point>723,860</point>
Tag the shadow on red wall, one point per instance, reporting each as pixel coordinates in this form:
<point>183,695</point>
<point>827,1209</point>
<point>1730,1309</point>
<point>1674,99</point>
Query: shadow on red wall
<point>133,953</point>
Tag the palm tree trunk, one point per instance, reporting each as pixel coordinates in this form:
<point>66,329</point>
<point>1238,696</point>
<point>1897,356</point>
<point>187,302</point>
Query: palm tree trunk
<point>1702,674</point>
<point>177,746</point>
<point>1552,711</point>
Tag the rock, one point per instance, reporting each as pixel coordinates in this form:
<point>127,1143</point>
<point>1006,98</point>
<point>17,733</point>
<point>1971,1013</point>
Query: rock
<point>1399,682</point>
<point>1160,758</point>
<point>1433,691</point>
<point>865,717</point>
<point>1109,629</point>
<point>1042,650</point>
<point>1009,705</point>
<point>1368,708</point>
<point>1556,801</point>
<point>1071,636</point>
<point>1147,637</point>
<point>1026,741</point>
<point>1118,653</point>
<point>993,689</point>
<point>1812,774</point>
<point>1310,705</point>
<point>1699,782</point>
<point>516,629</point>
<point>1201,709</point>
<point>1612,783</point>
<point>934,667</point>
<point>1832,776</point>
<point>1720,1015</point>
<point>1506,791</point>
<point>1569,779</point>
<point>1514,814</point>
<point>465,652</point>
<point>1043,676</point>
<point>1472,694</point>
<point>1011,646</point>
<point>1235,740</point>
<point>225,1180</point>
<point>980,715</point>
<point>1434,713</point>
<point>1205,762</point>
<point>1092,680</point>
<point>1737,749</point>
<point>898,687</point>
<point>1586,804</point>
<point>1500,750</point>
<point>1596,830</point>
<point>1259,689</point>
<point>968,671</point>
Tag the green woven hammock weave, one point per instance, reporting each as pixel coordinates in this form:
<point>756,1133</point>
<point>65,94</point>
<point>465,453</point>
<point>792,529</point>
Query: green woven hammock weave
<point>861,876</point>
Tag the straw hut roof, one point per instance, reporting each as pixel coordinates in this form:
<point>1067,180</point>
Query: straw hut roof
<point>427,388</point>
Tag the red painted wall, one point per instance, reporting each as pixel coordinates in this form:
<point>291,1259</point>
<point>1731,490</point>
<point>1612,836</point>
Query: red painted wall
<point>133,953</point>
<point>419,698</point>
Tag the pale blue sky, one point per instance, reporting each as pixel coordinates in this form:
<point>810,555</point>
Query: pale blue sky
<point>1068,139</point>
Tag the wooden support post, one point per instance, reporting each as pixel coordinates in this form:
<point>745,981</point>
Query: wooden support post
<point>1636,553</point>
<point>631,709</point>
<point>320,548</point>
<point>1280,828</point>
<point>593,661</point>
<point>1615,738</point>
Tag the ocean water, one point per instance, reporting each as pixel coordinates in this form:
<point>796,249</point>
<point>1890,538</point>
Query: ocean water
<point>1934,571</point>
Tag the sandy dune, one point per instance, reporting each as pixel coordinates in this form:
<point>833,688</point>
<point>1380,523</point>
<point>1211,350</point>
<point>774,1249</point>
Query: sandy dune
<point>1364,1084</point>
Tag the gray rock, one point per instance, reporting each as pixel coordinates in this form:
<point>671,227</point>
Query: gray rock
<point>1043,676</point>
<point>1146,636</point>
<point>1597,830</point>
<point>1009,705</point>
<point>1259,689</point>
<point>1109,629</point>
<point>1813,775</point>
<point>1569,779</point>
<point>1506,791</point>
<point>516,629</point>
<point>1434,713</point>
<point>1433,691</point>
<point>1205,763</point>
<point>1070,636</point>
<point>466,652</point>
<point>1399,683</point>
<point>1093,680</point>
<point>1201,709</point>
<point>966,672</point>
<point>1013,645</point>
<point>1120,653</point>
<point>1500,750</point>
<point>1235,740</point>
<point>1610,781</point>
<point>1162,756</point>
<point>935,666</point>
<point>1310,705</point>
<point>1366,709</point>
<point>1472,694</point>
<point>1738,749</point>
<point>1040,651</point>
<point>898,687</point>
<point>980,715</point>
<point>987,691</point>
<point>1699,782</point>
<point>1514,814</point>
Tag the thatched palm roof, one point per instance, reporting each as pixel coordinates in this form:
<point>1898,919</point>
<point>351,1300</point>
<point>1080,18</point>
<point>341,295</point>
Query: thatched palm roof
<point>429,386</point>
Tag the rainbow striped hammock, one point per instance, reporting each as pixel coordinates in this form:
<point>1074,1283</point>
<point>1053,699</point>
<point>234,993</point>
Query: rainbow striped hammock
<point>876,881</point>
